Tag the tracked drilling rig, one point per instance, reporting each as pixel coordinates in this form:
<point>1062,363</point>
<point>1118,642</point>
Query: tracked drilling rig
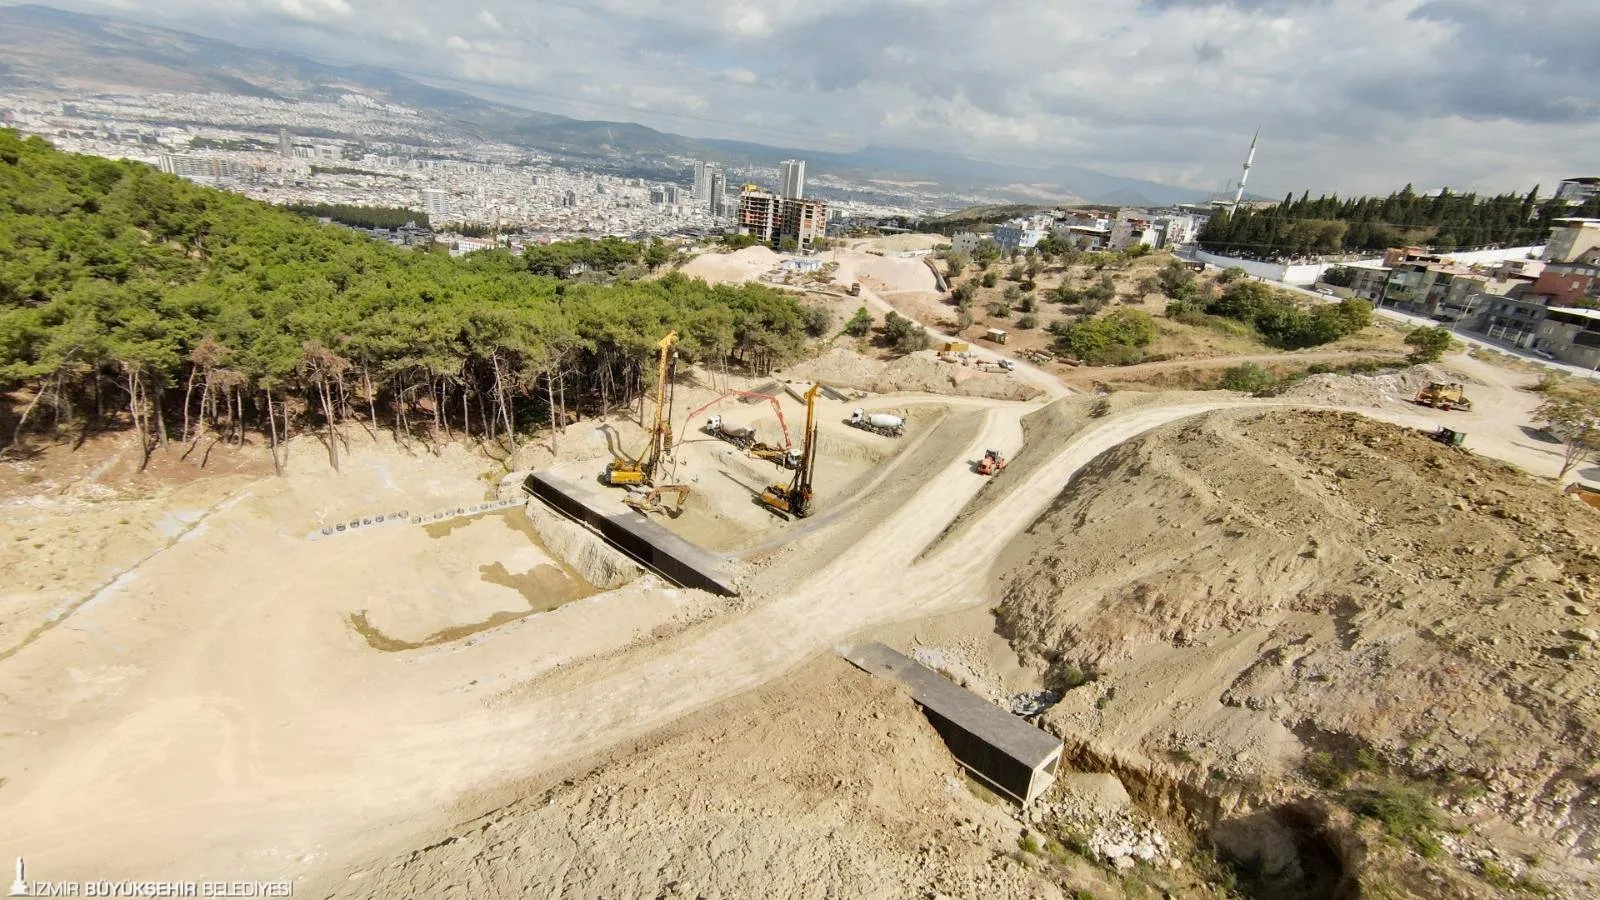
<point>795,499</point>
<point>642,469</point>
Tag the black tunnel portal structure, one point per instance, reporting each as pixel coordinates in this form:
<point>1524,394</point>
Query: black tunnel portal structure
<point>649,544</point>
<point>1008,754</point>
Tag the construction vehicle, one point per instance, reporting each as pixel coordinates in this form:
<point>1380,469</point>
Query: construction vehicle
<point>741,436</point>
<point>788,458</point>
<point>855,288</point>
<point>992,463</point>
<point>1449,437</point>
<point>956,347</point>
<point>744,437</point>
<point>642,469</point>
<point>877,423</point>
<point>1445,395</point>
<point>1587,493</point>
<point>651,502</point>
<point>794,499</point>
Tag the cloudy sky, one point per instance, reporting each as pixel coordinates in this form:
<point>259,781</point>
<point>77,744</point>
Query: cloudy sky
<point>1351,95</point>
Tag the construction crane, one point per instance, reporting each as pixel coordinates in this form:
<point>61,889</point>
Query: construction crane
<point>795,499</point>
<point>642,469</point>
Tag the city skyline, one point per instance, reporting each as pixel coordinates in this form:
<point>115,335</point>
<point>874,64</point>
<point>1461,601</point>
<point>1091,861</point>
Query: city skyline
<point>1380,95</point>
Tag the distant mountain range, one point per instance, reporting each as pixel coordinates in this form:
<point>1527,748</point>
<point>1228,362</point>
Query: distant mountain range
<point>50,51</point>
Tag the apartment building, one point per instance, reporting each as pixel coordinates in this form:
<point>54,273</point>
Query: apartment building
<point>1369,281</point>
<point>1014,237</point>
<point>1572,334</point>
<point>772,218</point>
<point>1571,239</point>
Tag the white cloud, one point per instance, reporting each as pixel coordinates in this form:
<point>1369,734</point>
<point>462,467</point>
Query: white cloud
<point>1352,95</point>
<point>316,10</point>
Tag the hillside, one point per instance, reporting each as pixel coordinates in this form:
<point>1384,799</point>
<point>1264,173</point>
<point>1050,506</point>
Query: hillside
<point>1287,604</point>
<point>116,280</point>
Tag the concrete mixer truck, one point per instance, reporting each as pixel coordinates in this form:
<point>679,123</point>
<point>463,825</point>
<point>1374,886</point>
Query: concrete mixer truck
<point>877,423</point>
<point>741,436</point>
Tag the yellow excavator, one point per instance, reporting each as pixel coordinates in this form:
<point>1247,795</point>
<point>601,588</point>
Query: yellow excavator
<point>642,470</point>
<point>795,498</point>
<point>653,501</point>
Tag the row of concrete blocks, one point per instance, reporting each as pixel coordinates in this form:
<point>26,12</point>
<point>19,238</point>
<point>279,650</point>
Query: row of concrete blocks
<point>402,515</point>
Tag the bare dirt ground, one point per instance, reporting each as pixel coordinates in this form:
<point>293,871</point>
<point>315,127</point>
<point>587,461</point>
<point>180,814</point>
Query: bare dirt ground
<point>224,710</point>
<point>1277,583</point>
<point>737,267</point>
<point>872,806</point>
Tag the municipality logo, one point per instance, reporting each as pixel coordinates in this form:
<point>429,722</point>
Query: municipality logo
<point>19,886</point>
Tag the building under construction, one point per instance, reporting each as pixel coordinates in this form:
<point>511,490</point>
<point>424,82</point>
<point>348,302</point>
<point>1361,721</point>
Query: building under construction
<point>771,218</point>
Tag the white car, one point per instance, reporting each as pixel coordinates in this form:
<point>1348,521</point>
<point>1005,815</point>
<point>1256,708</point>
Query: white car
<point>1328,291</point>
<point>1545,354</point>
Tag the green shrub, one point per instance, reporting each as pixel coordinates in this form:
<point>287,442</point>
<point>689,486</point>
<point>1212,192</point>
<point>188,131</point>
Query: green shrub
<point>1248,378</point>
<point>999,309</point>
<point>860,323</point>
<point>1325,771</point>
<point>1429,344</point>
<point>818,320</point>
<point>1406,813</point>
<point>903,334</point>
<point>1111,340</point>
<point>990,279</point>
<point>1027,320</point>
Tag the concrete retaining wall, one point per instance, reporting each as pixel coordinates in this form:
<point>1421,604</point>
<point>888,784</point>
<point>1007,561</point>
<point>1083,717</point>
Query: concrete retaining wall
<point>598,562</point>
<point>635,535</point>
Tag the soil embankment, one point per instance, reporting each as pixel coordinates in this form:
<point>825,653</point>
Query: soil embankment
<point>1253,587</point>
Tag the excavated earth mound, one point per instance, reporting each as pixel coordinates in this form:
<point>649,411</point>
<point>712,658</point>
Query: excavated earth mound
<point>920,371</point>
<point>1250,587</point>
<point>1387,389</point>
<point>829,783</point>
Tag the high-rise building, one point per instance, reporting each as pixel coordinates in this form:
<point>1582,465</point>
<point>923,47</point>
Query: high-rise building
<point>285,143</point>
<point>702,180</point>
<point>435,204</point>
<point>717,202</point>
<point>674,195</point>
<point>792,179</point>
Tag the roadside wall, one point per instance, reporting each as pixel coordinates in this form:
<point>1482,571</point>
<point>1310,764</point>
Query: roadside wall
<point>1309,273</point>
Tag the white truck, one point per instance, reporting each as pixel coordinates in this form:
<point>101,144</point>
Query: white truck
<point>741,436</point>
<point>877,423</point>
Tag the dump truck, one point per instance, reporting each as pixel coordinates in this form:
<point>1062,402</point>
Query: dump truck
<point>956,347</point>
<point>1445,395</point>
<point>877,423</point>
<point>855,288</point>
<point>993,463</point>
